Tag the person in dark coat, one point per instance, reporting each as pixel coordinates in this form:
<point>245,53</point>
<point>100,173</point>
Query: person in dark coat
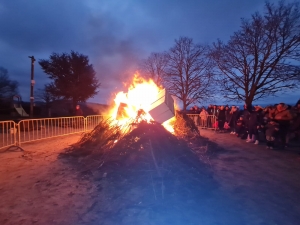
<point>253,124</point>
<point>215,111</point>
<point>210,121</point>
<point>210,110</point>
<point>283,117</point>
<point>246,115</point>
<point>227,113</point>
<point>233,116</point>
<point>240,128</point>
<point>78,111</point>
<point>271,129</point>
<point>221,118</point>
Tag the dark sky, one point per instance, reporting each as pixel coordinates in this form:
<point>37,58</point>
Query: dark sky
<point>115,34</point>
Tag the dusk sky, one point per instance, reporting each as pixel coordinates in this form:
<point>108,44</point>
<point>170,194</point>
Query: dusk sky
<point>115,34</point>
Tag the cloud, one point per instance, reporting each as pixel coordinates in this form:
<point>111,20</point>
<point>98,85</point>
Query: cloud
<point>115,34</point>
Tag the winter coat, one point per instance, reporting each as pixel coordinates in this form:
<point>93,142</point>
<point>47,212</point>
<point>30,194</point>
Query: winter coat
<point>78,112</point>
<point>203,115</point>
<point>233,118</point>
<point>284,114</point>
<point>221,115</point>
<point>240,123</point>
<point>255,119</point>
<point>227,115</point>
<point>271,129</point>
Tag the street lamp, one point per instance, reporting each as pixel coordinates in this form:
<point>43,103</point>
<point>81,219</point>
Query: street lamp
<point>31,85</point>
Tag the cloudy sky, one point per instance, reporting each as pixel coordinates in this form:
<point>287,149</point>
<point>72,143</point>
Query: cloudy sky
<point>115,34</point>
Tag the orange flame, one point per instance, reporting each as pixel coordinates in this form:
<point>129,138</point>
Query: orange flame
<point>141,93</point>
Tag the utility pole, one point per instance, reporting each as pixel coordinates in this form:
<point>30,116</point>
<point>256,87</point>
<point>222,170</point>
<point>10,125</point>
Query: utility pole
<point>31,85</point>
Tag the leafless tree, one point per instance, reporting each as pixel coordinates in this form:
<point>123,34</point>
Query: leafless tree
<point>188,72</point>
<point>154,67</point>
<point>8,87</point>
<point>46,95</point>
<point>261,59</point>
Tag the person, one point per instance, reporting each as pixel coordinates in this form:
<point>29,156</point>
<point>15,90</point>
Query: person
<point>254,123</point>
<point>221,119</point>
<point>227,114</point>
<point>240,130</point>
<point>203,118</point>
<point>283,116</point>
<point>233,119</point>
<point>78,111</point>
<point>271,129</point>
<point>245,114</point>
<point>196,115</point>
<point>294,128</point>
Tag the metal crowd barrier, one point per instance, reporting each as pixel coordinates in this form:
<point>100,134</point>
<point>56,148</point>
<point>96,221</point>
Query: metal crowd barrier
<point>29,130</point>
<point>8,131</point>
<point>208,123</point>
<point>37,129</point>
<point>92,121</point>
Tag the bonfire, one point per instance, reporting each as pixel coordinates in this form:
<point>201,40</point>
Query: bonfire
<point>131,150</point>
<point>144,102</point>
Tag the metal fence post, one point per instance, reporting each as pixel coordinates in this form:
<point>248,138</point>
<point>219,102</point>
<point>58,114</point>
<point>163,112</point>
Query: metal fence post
<point>17,135</point>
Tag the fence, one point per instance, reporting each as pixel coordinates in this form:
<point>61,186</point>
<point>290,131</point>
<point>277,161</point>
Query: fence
<point>8,132</point>
<point>208,123</point>
<point>24,131</point>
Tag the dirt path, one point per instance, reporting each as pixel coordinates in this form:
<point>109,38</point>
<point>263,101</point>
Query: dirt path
<point>36,188</point>
<point>261,186</point>
<point>264,181</point>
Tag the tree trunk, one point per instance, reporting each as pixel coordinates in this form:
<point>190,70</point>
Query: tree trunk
<point>249,100</point>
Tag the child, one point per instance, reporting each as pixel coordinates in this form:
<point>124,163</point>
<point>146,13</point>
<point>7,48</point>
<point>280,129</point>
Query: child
<point>240,127</point>
<point>203,116</point>
<point>271,128</point>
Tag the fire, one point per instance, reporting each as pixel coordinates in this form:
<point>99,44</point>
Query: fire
<point>168,125</point>
<point>141,93</point>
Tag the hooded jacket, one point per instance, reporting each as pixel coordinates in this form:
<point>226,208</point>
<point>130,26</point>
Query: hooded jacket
<point>283,114</point>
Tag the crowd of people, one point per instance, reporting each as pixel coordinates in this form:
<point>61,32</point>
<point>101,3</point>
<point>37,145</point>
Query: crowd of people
<point>275,124</point>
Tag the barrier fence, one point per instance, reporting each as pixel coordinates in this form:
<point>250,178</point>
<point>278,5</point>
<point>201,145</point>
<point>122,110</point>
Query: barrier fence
<point>208,122</point>
<point>14,134</point>
<point>8,132</point>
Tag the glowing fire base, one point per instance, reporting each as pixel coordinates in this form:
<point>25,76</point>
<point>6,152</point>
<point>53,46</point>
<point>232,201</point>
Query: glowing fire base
<point>163,108</point>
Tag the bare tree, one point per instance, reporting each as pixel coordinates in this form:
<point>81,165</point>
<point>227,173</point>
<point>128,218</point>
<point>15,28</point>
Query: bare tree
<point>154,67</point>
<point>46,95</point>
<point>187,74</point>
<point>260,59</point>
<point>8,87</point>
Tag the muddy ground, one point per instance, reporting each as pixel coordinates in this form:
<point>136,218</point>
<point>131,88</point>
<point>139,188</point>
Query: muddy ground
<point>233,183</point>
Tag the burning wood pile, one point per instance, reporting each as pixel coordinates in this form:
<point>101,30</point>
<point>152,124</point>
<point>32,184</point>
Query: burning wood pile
<point>144,102</point>
<point>138,152</point>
